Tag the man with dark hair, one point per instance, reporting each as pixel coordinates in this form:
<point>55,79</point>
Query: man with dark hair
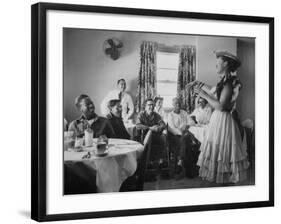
<point>89,119</point>
<point>150,120</point>
<point>115,119</point>
<point>125,100</point>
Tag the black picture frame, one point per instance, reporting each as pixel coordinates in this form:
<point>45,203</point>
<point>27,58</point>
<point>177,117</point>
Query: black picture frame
<point>39,108</point>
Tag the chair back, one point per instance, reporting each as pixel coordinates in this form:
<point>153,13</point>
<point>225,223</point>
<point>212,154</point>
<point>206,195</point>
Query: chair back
<point>144,159</point>
<point>248,125</point>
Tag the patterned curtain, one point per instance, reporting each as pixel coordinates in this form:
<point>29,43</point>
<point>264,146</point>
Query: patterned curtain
<point>147,74</point>
<point>186,74</point>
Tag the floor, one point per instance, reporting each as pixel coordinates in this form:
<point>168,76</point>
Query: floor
<point>184,183</point>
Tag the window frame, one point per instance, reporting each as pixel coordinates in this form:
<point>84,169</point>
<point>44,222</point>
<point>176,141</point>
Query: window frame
<point>169,50</point>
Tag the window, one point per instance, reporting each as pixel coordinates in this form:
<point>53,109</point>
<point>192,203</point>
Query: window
<point>166,76</point>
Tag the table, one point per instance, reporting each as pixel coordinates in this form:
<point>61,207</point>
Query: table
<point>199,131</point>
<point>111,169</point>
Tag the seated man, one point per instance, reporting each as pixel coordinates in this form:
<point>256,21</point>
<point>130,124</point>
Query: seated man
<point>99,125</point>
<point>177,126</point>
<point>150,120</point>
<point>184,143</point>
<point>115,119</point>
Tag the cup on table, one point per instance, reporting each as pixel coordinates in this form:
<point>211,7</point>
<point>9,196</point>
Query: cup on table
<point>79,143</point>
<point>102,144</point>
<point>101,147</point>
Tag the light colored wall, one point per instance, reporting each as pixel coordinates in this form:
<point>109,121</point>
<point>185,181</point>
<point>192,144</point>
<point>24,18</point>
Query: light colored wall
<point>206,61</point>
<point>246,53</point>
<point>88,70</point>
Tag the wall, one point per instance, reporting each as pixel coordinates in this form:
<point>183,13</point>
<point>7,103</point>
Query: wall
<point>88,70</point>
<point>246,53</point>
<point>206,60</point>
<point>15,190</point>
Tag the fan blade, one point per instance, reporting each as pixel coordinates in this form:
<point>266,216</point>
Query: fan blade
<point>110,42</point>
<point>108,50</point>
<point>119,45</point>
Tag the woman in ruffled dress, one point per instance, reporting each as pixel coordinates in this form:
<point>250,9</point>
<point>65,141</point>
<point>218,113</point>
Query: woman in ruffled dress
<point>223,157</point>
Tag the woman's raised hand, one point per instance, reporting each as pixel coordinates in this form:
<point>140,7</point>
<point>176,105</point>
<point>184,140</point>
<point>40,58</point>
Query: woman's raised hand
<point>197,90</point>
<point>195,83</point>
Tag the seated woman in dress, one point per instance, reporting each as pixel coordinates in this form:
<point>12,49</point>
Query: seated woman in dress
<point>115,119</point>
<point>201,114</point>
<point>199,119</point>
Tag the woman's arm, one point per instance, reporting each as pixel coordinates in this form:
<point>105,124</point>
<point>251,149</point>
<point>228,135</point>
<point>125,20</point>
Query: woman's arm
<point>223,103</point>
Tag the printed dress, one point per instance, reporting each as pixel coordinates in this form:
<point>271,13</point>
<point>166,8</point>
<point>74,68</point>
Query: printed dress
<point>223,155</point>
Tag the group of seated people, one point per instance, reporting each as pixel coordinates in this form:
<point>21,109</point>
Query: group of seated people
<point>112,126</point>
<point>175,124</point>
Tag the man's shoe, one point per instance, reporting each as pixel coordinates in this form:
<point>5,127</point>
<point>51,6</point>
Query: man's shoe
<point>163,165</point>
<point>178,169</point>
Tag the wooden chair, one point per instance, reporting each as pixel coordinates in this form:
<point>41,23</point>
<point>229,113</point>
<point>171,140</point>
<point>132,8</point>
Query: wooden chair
<point>248,125</point>
<point>136,182</point>
<point>144,160</point>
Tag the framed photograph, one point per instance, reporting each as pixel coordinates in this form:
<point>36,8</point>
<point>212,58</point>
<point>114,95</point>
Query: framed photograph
<point>139,111</point>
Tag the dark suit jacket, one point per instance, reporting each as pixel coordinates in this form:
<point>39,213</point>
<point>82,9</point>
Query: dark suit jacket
<point>118,126</point>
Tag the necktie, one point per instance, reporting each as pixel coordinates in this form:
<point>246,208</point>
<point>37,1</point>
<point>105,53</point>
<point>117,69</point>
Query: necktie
<point>120,96</point>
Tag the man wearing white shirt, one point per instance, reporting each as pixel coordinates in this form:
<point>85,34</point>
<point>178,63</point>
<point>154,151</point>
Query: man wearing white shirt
<point>125,99</point>
<point>177,126</point>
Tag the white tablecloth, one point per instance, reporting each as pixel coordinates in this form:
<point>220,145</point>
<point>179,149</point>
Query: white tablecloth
<point>112,169</point>
<point>199,131</point>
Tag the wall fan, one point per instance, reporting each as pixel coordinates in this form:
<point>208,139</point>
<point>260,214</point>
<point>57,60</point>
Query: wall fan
<point>112,48</point>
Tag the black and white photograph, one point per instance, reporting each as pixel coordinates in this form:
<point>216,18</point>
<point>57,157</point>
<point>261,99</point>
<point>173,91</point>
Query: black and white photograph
<point>141,112</point>
<point>146,111</point>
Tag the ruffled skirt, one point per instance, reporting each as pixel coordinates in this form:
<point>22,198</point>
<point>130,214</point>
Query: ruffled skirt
<point>223,156</point>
